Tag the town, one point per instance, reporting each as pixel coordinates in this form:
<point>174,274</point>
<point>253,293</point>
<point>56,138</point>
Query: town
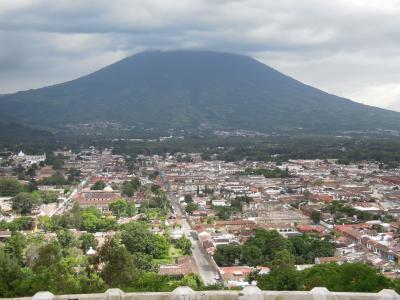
<point>178,219</point>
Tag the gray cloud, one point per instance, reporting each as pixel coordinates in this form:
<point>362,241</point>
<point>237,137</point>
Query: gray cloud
<point>350,48</point>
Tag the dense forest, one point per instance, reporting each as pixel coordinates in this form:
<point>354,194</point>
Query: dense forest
<point>274,148</point>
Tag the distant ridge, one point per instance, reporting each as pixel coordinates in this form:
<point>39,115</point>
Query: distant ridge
<point>184,89</point>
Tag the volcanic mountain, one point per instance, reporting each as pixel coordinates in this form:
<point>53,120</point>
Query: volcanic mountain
<point>186,89</point>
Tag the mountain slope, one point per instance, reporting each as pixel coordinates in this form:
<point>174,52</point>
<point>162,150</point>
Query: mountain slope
<point>183,89</point>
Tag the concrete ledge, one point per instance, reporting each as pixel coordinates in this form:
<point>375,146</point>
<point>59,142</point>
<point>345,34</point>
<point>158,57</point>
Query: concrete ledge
<point>251,292</point>
<point>248,293</point>
<point>388,295</point>
<point>320,293</point>
<point>115,294</point>
<point>43,296</point>
<point>184,293</point>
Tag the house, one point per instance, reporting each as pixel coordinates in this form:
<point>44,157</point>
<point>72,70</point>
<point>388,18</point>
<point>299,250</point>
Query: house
<point>220,203</point>
<point>27,160</point>
<point>209,246</point>
<point>235,226</point>
<point>99,199</point>
<point>334,259</point>
<point>317,229</point>
<point>235,276</point>
<point>184,266</point>
<point>324,198</point>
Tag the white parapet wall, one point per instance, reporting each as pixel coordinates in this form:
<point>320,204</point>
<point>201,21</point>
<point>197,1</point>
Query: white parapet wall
<point>248,293</point>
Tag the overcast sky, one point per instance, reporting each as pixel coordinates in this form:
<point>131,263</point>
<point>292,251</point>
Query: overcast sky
<point>347,47</point>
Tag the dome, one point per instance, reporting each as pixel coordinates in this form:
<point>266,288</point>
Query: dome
<point>20,154</point>
<point>91,251</point>
<point>108,189</point>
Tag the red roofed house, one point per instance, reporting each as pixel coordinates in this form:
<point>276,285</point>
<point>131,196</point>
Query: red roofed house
<point>235,276</point>
<point>326,198</point>
<point>184,266</point>
<point>320,230</point>
<point>98,199</point>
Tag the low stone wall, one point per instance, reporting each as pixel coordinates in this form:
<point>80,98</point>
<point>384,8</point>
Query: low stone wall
<point>248,293</point>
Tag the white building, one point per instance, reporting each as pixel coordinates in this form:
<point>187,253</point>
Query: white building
<point>22,158</point>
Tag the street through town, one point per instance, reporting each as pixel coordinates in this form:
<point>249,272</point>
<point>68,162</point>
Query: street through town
<point>201,258</point>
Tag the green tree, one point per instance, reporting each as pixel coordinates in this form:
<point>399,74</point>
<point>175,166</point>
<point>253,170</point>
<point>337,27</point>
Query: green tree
<point>227,255</point>
<point>46,223</point>
<point>128,188</point>
<point>10,274</point>
<point>349,277</point>
<point>46,196</point>
<point>98,185</point>
<point>24,223</point>
<point>286,279</point>
<point>153,175</point>
<point>119,267</point>
<point>191,207</point>
<point>269,173</point>
<point>161,246</point>
<point>193,281</point>
<point>10,187</point>
<point>119,207</point>
<point>24,203</point>
<point>49,254</point>
<point>307,249</point>
<point>283,275</point>
<point>155,188</point>
<point>57,179</point>
<point>137,238</point>
<point>184,244</point>
<point>223,213</point>
<point>92,220</point>
<point>283,259</point>
<point>74,175</point>
<point>66,238</point>
<point>316,216</point>
<point>153,282</point>
<point>269,242</point>
<point>144,262</point>
<point>188,198</point>
<point>160,200</point>
<point>88,240</point>
<point>131,210</point>
<point>252,255</point>
<point>236,203</point>
<point>32,186</point>
<point>15,246</point>
<point>31,172</point>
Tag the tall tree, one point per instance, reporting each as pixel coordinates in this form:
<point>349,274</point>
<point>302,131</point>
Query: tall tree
<point>9,187</point>
<point>66,238</point>
<point>24,203</point>
<point>227,255</point>
<point>88,240</point>
<point>15,246</point>
<point>98,185</point>
<point>119,207</point>
<point>119,267</point>
<point>137,238</point>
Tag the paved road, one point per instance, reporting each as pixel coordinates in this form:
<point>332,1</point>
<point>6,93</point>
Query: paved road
<point>202,261</point>
<point>61,208</point>
<point>203,264</point>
